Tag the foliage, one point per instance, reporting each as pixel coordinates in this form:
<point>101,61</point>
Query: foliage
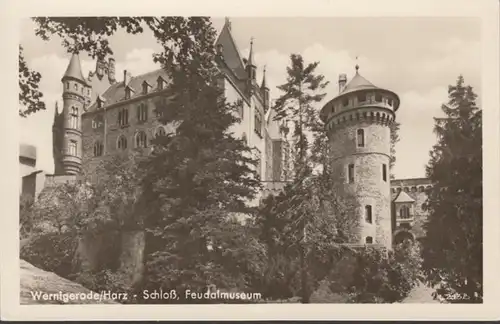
<point>51,251</point>
<point>296,105</point>
<point>287,240</point>
<point>198,178</point>
<point>26,219</point>
<point>385,277</point>
<point>30,96</point>
<point>394,140</point>
<point>452,247</point>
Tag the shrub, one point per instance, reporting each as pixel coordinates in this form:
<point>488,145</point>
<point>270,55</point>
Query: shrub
<point>52,252</point>
<point>381,277</point>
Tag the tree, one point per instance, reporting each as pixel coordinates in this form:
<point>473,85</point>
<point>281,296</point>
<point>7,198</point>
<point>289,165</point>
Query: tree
<point>452,247</point>
<point>199,178</point>
<point>296,105</point>
<point>30,96</point>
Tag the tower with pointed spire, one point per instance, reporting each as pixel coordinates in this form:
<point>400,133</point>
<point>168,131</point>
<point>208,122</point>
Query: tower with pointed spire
<point>251,67</point>
<point>265,91</point>
<point>358,123</point>
<point>67,128</point>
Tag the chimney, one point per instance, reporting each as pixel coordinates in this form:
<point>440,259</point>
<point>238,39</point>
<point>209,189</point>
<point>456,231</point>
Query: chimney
<point>111,70</point>
<point>342,81</point>
<point>126,77</point>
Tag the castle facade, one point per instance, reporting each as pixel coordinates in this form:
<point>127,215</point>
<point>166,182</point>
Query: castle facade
<point>102,115</point>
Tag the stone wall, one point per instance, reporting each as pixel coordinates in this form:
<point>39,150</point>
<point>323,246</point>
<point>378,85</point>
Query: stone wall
<point>416,189</point>
<point>369,187</point>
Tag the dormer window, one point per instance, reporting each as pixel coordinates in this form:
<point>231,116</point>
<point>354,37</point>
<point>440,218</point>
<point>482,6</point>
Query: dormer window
<point>160,82</point>
<point>100,102</point>
<point>128,92</point>
<point>145,87</point>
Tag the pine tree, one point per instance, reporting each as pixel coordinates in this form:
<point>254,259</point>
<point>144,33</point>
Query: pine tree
<point>302,91</point>
<point>198,177</point>
<point>452,247</point>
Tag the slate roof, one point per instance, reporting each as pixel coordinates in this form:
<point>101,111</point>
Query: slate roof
<point>358,82</point>
<point>74,69</point>
<point>116,92</point>
<point>403,197</point>
<point>230,51</point>
<point>232,59</point>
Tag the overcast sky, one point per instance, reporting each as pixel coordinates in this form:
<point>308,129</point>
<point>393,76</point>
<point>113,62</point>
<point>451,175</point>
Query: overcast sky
<point>415,57</point>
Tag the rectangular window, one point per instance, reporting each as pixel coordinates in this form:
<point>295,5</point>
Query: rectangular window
<point>123,117</point>
<point>378,98</point>
<point>362,98</point>
<point>384,172</point>
<point>345,102</point>
<point>142,112</point>
<point>361,137</point>
<point>350,173</point>
<point>72,149</point>
<point>368,214</point>
<point>390,102</point>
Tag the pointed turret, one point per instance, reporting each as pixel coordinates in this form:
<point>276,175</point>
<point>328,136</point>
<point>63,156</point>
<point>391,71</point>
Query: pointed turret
<point>68,135</point>
<point>264,83</point>
<point>251,67</point>
<point>265,90</point>
<point>74,69</point>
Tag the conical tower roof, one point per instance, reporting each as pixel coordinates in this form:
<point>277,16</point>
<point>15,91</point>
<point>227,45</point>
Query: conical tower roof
<point>74,69</point>
<point>250,54</point>
<point>358,82</point>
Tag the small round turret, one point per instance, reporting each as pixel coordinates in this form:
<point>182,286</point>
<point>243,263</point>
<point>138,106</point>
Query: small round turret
<point>75,92</point>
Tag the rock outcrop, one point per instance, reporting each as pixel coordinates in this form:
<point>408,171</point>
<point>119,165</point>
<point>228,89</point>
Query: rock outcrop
<point>41,287</point>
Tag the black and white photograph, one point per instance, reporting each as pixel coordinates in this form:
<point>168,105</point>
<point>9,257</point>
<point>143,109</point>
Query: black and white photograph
<point>254,160</point>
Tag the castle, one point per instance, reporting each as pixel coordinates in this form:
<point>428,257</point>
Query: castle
<point>102,115</point>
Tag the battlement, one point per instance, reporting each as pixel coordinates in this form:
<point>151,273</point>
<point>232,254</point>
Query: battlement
<point>411,184</point>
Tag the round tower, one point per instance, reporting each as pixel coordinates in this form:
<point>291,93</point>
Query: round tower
<point>358,124</point>
<point>74,93</point>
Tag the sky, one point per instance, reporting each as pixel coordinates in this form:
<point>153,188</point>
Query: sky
<point>417,58</point>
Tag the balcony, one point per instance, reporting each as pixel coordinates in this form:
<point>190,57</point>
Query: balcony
<point>407,219</point>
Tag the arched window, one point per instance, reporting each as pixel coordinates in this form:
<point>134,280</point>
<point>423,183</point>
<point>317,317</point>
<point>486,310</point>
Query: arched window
<point>404,212</point>
<point>74,118</point>
<point>142,112</point>
<point>369,240</point>
<point>368,214</point>
<point>141,139</point>
<point>361,137</point>
<point>67,85</point>
<point>98,148</point>
<point>160,131</point>
<point>122,143</point>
